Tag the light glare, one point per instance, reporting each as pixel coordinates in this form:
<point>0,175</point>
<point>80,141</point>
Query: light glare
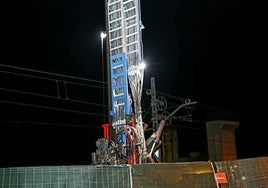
<point>103,35</point>
<point>141,66</point>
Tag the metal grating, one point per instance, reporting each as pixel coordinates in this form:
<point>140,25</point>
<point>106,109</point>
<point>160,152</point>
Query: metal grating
<point>66,177</point>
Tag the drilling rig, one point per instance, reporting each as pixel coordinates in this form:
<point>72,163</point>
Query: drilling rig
<point>124,141</point>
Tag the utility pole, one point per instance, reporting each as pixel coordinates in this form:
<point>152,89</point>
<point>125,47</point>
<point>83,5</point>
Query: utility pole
<point>154,115</point>
<point>152,92</point>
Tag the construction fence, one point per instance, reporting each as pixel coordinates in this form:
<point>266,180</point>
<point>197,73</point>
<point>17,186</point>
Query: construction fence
<point>242,173</point>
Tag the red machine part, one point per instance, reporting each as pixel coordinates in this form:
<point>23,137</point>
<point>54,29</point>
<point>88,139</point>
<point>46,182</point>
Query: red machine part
<point>105,127</point>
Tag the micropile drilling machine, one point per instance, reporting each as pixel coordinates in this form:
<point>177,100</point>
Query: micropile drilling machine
<point>124,140</point>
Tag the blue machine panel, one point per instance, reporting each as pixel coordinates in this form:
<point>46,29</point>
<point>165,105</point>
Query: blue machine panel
<point>119,86</point>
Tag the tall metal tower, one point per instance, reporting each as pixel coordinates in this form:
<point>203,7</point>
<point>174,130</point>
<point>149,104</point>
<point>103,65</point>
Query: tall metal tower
<point>125,49</point>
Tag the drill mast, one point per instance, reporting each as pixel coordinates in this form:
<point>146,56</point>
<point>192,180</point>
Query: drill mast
<point>125,52</point>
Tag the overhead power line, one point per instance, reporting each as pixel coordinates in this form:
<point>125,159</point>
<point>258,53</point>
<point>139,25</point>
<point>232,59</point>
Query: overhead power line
<point>50,123</point>
<point>50,108</point>
<point>52,74</point>
<point>51,79</point>
<point>51,97</point>
<point>56,78</point>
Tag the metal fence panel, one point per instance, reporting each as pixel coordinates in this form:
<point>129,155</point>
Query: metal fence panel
<point>245,173</point>
<point>170,175</point>
<point>66,177</point>
<point>242,173</point>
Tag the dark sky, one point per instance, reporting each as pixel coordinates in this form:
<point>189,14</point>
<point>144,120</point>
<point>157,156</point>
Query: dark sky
<point>213,52</point>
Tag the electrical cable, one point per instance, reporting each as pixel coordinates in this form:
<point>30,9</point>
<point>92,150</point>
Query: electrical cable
<point>51,97</point>
<point>50,108</point>
<point>48,73</point>
<point>49,123</point>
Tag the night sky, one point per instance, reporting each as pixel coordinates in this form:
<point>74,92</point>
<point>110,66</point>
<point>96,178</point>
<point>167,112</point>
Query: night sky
<point>212,52</point>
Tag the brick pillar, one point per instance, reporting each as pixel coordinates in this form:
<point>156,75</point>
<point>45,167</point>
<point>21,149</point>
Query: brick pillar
<point>221,140</point>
